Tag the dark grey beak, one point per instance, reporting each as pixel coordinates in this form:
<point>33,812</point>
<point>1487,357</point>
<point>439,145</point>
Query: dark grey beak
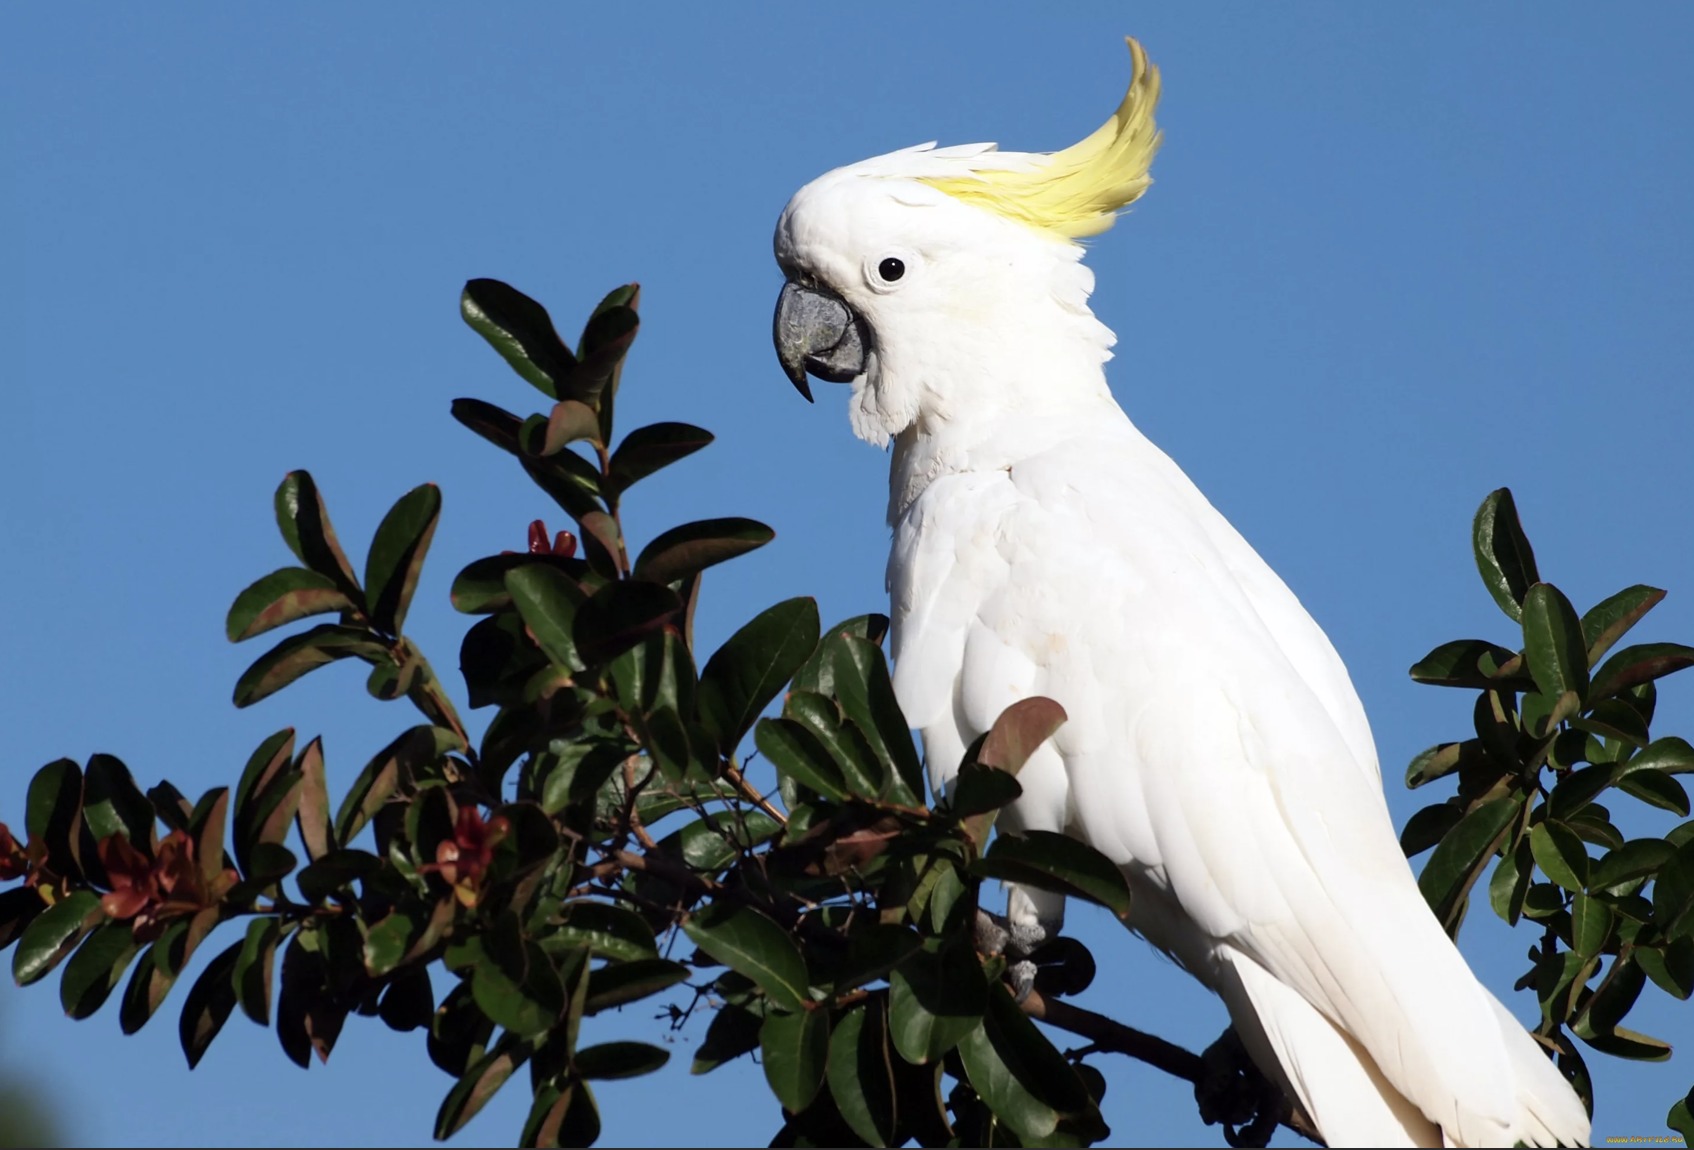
<point>817,332</point>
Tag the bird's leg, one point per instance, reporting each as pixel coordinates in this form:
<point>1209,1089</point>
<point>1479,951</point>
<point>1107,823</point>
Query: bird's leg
<point>1032,917</point>
<point>1234,1092</point>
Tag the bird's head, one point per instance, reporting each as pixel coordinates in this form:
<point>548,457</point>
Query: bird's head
<point>930,265</point>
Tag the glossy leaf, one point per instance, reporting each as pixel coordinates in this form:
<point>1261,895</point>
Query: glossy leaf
<point>94,970</point>
<point>1553,643</point>
<point>692,547</point>
<point>548,599</point>
<point>613,931</point>
<point>299,654</point>
<point>254,963</point>
<point>54,933</point>
<point>521,331</point>
<point>1428,827</point>
<point>1466,663</point>
<point>512,980</point>
<point>1608,621</point>
<point>53,812</point>
<point>1671,967</point>
<point>621,982</point>
<point>113,805</point>
<point>478,1084</point>
<point>647,449</point>
<point>397,555</point>
<point>1656,789</point>
<point>749,942</point>
<point>1503,555</point>
<point>795,1049</point>
<point>1643,663</point>
<point>751,668</point>
<point>935,998</point>
<point>480,588</point>
<point>1059,863</point>
<point>1022,1078</point>
<point>495,424</point>
<point>619,1060</point>
<point>305,526</point>
<point>1560,854</point>
<point>861,1079</point>
<point>1460,857</point>
<point>208,1005</point>
<point>283,597</point>
<point>797,753</point>
<point>379,778</point>
<point>1591,924</point>
<point>734,1031</point>
<point>1638,858</point>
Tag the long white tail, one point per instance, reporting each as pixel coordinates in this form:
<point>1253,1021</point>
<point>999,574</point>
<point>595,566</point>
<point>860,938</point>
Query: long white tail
<point>1340,1088</point>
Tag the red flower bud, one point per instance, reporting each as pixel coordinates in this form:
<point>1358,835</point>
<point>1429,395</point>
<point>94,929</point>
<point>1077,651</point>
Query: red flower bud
<point>564,544</point>
<point>538,538</point>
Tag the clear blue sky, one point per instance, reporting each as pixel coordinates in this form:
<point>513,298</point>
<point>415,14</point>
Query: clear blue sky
<point>1395,257</point>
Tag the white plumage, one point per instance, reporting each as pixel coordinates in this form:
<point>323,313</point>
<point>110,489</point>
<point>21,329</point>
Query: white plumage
<point>1215,748</point>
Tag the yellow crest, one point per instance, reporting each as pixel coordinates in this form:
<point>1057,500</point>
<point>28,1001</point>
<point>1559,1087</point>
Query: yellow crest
<point>1079,191</point>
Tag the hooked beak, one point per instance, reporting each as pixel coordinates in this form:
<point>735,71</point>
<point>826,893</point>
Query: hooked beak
<point>817,332</point>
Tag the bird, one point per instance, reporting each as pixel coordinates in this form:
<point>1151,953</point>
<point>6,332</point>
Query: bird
<point>1215,749</point>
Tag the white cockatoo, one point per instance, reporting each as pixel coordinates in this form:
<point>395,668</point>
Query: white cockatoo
<point>1215,748</point>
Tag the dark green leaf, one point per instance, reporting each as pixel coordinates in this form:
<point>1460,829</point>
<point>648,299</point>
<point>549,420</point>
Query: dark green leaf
<point>1509,886</point>
<point>622,615</point>
<point>734,1031</point>
<point>613,931</point>
<point>861,1079</point>
<point>298,654</point>
<point>409,1001</point>
<point>397,555</point>
<point>113,805</point>
<point>305,526</point>
<point>1503,555</point>
<point>978,788</point>
<point>1560,854</point>
<point>548,599</point>
<point>512,979</point>
<point>53,934</point>
<point>53,813</point>
<point>1460,857</point>
<point>1058,863</point>
<point>647,449</point>
<point>795,1048</point>
<point>620,1060</point>
<point>495,424</point>
<point>282,597</point>
<point>376,783</point>
<point>861,771</point>
<point>1681,1118</point>
<point>562,1116</point>
<point>1614,719</point>
<point>1643,663</point>
<point>1428,827</point>
<point>1630,1044</point>
<point>1553,643</point>
<point>747,941</point>
<point>478,1084</point>
<point>606,339</point>
<point>748,671</point>
<point>1638,858</point>
<point>480,589</point>
<point>1656,789</point>
<point>18,908</point>
<point>1608,621</point>
<point>1670,754</point>
<point>1024,1080</point>
<point>388,941</point>
<point>935,998</point>
<point>521,331</point>
<point>208,1006</point>
<point>1613,1000</point>
<point>1467,663</point>
<point>94,970</point>
<point>253,965</point>
<point>797,753</point>
<point>692,547</point>
<point>1591,924</point>
<point>619,982</point>
<point>1671,967</point>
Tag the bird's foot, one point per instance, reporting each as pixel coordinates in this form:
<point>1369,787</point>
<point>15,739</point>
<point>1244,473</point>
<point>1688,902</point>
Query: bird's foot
<point>1235,1093</point>
<point>1015,941</point>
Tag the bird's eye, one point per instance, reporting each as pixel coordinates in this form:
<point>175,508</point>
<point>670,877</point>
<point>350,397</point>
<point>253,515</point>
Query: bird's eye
<point>891,269</point>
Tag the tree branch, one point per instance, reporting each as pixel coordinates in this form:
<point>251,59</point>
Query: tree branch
<point>1116,1038</point>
